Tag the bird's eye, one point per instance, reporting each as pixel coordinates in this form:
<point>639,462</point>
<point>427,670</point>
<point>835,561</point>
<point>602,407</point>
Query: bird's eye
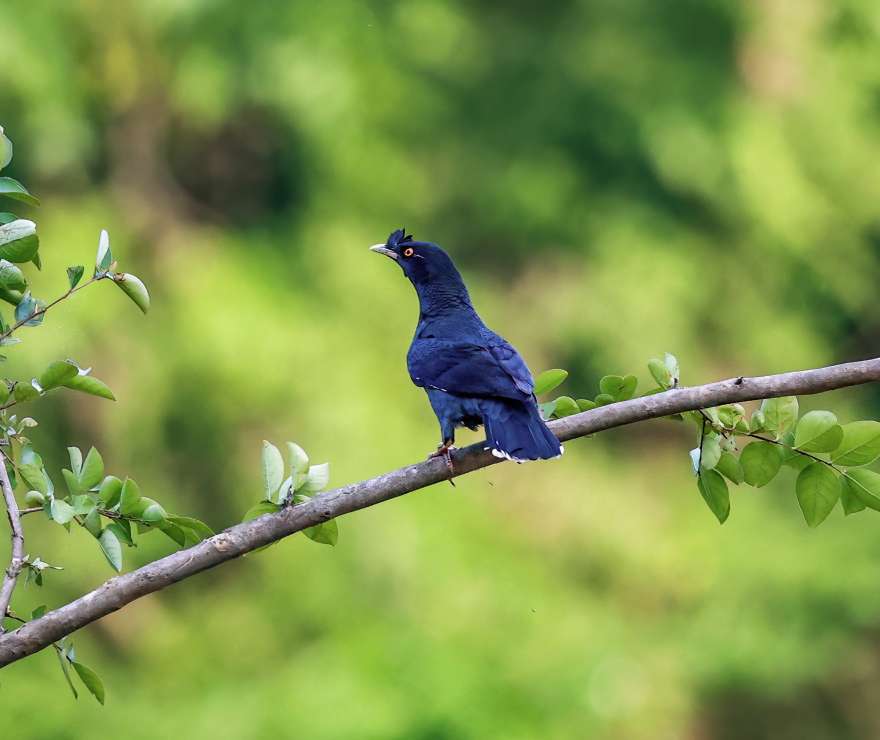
<point>408,252</point>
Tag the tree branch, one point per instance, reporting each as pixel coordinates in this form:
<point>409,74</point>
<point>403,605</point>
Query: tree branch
<point>243,538</point>
<point>16,560</point>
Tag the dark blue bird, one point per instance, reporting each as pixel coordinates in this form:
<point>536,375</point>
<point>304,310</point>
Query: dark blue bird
<point>471,375</point>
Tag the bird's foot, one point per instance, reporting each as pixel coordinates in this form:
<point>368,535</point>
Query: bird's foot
<point>444,451</point>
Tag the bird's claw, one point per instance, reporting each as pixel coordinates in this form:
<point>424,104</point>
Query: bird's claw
<point>444,451</point>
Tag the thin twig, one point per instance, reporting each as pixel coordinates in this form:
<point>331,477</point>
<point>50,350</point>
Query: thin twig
<point>249,536</point>
<point>16,562</point>
<point>39,312</point>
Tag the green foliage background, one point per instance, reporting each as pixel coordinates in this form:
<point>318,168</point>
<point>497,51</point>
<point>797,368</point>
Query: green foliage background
<point>615,179</point>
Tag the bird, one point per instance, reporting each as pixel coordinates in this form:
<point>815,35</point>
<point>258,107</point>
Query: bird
<point>473,377</point>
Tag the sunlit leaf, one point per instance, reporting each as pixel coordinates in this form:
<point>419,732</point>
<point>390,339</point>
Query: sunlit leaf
<point>5,149</point>
<point>19,241</point>
<point>134,288</point>
<point>818,431</point>
<point>272,466</point>
<point>866,485</point>
<point>56,374</point>
<point>780,414</point>
<point>104,258</point>
<point>61,511</point>
<point>859,445</point>
<point>91,385</point>
<point>90,679</point>
<point>92,470</point>
<point>110,491</point>
<point>548,380</point>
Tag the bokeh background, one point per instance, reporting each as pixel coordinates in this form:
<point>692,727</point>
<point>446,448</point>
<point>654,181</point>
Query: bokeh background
<point>615,179</point>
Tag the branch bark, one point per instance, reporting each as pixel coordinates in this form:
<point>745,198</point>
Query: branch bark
<point>16,561</point>
<point>243,538</point>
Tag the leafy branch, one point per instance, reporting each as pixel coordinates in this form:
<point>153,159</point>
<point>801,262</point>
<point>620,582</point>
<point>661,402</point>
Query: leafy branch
<point>270,527</point>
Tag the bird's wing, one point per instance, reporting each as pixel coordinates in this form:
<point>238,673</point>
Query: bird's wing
<point>470,369</point>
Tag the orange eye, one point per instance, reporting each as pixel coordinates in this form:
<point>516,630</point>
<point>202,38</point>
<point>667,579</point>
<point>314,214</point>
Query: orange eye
<point>408,252</point>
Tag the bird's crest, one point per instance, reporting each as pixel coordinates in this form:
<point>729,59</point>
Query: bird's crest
<point>398,237</point>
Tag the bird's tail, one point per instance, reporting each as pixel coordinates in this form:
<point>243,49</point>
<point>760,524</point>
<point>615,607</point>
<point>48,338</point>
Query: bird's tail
<point>515,430</point>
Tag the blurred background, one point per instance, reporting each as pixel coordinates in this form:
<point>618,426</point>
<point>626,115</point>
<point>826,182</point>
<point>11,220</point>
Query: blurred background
<point>615,180</point>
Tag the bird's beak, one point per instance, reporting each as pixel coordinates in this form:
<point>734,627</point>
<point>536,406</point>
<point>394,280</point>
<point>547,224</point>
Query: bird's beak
<point>382,249</point>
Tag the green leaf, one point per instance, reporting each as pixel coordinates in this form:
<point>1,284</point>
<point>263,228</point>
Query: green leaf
<point>548,380</point>
<point>547,409</point>
<point>71,481</point>
<point>122,529</point>
<point>757,423</point>
<point>30,310</point>
<point>818,431</point>
<point>297,458</point>
<point>760,462</point>
<point>58,373</point>
<point>729,466</point>
<point>63,661</point>
<point>195,529</point>
<point>258,509</point>
<point>780,414</point>
<point>74,275</point>
<point>19,241</point>
<point>711,451</point>
<point>91,385</point>
<point>860,444</point>
<point>34,498</point>
<point>61,511</point>
<point>90,679</point>
<point>104,258</point>
<point>24,392</point>
<point>82,504</point>
<point>866,485</point>
<point>11,276</point>
<point>849,497</point>
<point>585,404</point>
<point>152,512</point>
<point>38,611</point>
<point>671,363</point>
<point>15,190</point>
<point>317,479</point>
<point>326,533</point>
<point>5,149</point>
<point>110,491</point>
<point>34,477</point>
<point>713,489</point>
<point>730,414</point>
<point>818,490</point>
<point>76,460</point>
<point>603,399</point>
<point>619,388</point>
<point>92,522</point>
<point>111,548</point>
<point>92,470</point>
<point>660,373</point>
<point>135,289</point>
<point>272,469</point>
<point>129,498</point>
<point>172,531</point>
<point>6,218</point>
<point>565,406</point>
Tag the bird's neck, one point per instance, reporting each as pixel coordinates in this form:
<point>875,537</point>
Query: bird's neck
<point>439,299</point>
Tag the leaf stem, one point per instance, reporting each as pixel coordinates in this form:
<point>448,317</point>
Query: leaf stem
<point>39,312</point>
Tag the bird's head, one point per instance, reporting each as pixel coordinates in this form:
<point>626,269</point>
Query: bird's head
<point>423,263</point>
